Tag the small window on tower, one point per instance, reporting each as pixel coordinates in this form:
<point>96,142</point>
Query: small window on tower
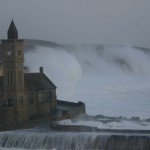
<point>19,53</point>
<point>21,98</point>
<point>31,98</point>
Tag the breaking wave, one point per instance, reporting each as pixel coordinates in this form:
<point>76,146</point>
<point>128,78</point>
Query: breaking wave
<point>111,80</point>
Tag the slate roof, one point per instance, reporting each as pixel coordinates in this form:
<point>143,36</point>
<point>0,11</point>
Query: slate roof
<point>12,31</point>
<point>35,82</point>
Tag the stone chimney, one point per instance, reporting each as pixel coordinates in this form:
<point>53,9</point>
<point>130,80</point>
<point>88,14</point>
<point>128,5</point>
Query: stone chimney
<point>41,69</point>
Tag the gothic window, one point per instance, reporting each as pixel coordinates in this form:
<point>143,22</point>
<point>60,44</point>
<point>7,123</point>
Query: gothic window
<point>50,96</point>
<point>19,76</point>
<point>21,98</point>
<point>9,77</point>
<point>10,102</point>
<point>19,53</point>
<point>31,98</point>
<point>8,82</point>
<point>40,97</point>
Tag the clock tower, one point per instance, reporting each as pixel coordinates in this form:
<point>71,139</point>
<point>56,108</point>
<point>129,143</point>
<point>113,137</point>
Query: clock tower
<point>13,63</point>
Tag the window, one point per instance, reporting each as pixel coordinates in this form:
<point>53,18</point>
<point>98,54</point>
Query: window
<point>10,102</point>
<point>40,97</point>
<point>19,76</point>
<point>21,99</point>
<point>31,98</point>
<point>8,82</point>
<point>9,77</point>
<point>19,53</point>
<point>50,96</point>
<point>44,96</point>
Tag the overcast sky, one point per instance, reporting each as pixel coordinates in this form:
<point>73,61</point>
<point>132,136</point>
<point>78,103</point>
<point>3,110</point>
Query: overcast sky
<point>79,21</point>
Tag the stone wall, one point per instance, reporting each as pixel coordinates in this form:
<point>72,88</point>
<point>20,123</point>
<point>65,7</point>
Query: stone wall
<point>72,109</point>
<point>43,107</point>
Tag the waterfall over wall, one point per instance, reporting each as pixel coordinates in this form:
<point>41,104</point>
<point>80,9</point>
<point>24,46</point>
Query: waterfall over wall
<point>73,141</point>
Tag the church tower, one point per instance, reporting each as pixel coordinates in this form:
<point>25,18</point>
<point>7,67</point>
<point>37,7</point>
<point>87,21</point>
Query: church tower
<point>13,63</point>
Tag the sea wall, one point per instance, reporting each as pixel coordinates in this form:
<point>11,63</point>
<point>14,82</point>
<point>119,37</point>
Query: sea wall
<point>71,109</point>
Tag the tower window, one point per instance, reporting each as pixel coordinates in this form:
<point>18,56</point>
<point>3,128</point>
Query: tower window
<point>21,100</point>
<point>19,53</point>
<point>19,76</point>
<point>8,77</point>
<point>31,97</point>
<point>11,77</point>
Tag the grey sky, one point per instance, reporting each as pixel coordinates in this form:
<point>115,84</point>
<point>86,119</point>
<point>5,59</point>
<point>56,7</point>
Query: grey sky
<point>79,21</point>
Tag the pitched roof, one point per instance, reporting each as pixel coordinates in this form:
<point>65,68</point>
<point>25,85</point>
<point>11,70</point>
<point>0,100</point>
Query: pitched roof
<point>37,81</point>
<point>34,82</point>
<point>12,32</point>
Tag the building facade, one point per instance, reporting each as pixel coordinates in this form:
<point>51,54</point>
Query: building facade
<point>22,95</point>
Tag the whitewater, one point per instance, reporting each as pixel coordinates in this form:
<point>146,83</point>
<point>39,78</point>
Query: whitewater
<point>110,80</point>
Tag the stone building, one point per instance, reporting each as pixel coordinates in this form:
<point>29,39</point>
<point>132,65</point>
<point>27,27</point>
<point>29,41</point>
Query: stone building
<point>22,95</point>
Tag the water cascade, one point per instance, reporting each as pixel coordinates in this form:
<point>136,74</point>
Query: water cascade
<point>73,141</point>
